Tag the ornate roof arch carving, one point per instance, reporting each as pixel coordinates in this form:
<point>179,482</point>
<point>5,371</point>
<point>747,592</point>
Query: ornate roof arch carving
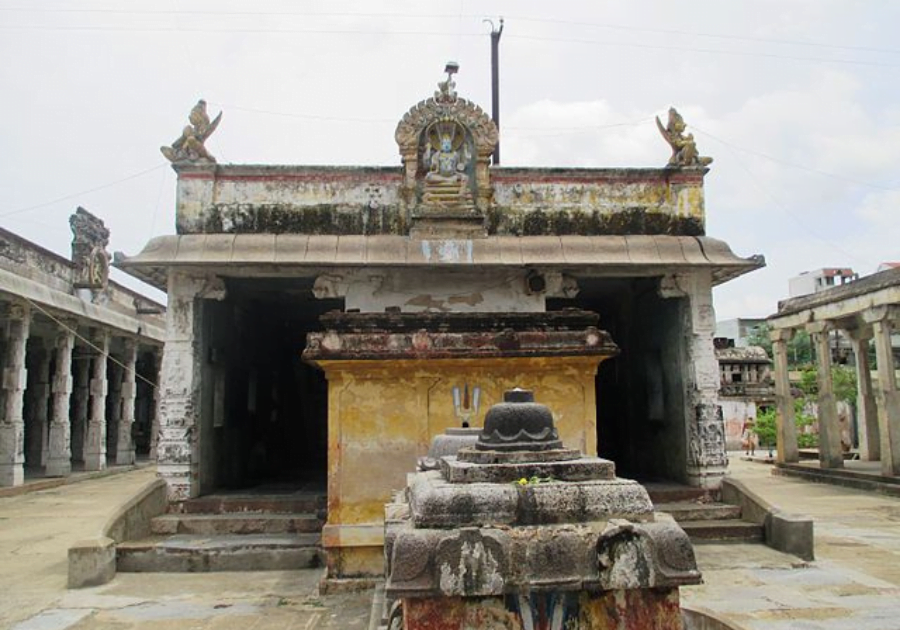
<point>447,106</point>
<point>446,143</point>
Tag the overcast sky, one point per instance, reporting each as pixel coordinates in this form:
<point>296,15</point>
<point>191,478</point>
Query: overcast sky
<point>797,101</point>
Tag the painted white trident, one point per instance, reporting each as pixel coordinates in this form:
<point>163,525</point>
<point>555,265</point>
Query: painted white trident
<point>466,406</point>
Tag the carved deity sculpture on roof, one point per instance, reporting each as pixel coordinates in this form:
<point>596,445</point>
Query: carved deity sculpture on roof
<point>189,147</point>
<point>684,148</point>
<point>447,157</point>
<point>90,238</point>
<point>446,143</point>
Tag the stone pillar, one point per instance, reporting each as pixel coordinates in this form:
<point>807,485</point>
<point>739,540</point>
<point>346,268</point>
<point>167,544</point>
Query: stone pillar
<point>886,394</point>
<point>95,434</point>
<point>178,452</point>
<point>125,445</point>
<point>866,411</point>
<point>15,376</point>
<point>80,400</point>
<point>705,427</point>
<point>113,406</point>
<point>154,409</point>
<point>830,452</point>
<point>785,423</point>
<point>37,394</point>
<point>59,462</point>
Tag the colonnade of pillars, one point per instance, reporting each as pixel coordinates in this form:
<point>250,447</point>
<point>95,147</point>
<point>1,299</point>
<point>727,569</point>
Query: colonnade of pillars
<point>878,407</point>
<point>66,401</point>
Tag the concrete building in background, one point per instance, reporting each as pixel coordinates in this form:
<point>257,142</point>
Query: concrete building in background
<point>80,356</point>
<point>327,321</point>
<point>810,282</point>
<point>739,329</point>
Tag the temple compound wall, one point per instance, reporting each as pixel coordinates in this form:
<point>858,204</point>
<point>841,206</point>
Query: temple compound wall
<point>327,322</point>
<point>80,357</point>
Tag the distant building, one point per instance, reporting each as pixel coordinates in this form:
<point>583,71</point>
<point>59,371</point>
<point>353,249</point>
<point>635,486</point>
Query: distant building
<point>810,282</point>
<point>888,265</point>
<point>746,387</point>
<point>739,329</point>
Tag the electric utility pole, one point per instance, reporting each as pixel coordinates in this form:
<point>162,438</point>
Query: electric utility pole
<point>495,82</point>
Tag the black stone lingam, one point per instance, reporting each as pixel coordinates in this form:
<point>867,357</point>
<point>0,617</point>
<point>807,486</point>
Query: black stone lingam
<point>518,424</point>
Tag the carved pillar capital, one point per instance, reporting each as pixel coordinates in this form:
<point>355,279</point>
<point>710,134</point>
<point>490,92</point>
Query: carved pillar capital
<point>880,314</point>
<point>781,335</point>
<point>820,327</point>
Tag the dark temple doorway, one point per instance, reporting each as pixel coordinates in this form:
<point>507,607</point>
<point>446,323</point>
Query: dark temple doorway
<point>264,410</point>
<point>640,393</point>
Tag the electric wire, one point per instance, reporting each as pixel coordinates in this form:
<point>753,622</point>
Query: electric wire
<point>83,192</point>
<point>809,169</point>
<point>523,18</point>
<point>787,210</point>
<point>89,343</point>
<point>416,33</point>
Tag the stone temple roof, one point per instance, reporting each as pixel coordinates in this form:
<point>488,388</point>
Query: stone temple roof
<point>750,354</point>
<point>611,255</point>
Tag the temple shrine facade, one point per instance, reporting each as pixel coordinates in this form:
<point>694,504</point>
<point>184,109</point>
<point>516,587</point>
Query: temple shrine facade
<point>325,323</point>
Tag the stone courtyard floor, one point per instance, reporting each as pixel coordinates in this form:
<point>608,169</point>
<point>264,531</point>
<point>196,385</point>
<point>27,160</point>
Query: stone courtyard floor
<point>853,583</point>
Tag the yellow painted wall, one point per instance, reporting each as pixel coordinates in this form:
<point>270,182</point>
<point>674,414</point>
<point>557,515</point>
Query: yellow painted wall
<point>382,415</point>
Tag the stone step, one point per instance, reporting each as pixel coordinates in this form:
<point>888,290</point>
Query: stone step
<point>684,511</point>
<point>723,530</point>
<point>191,553</point>
<point>662,492</point>
<point>293,503</point>
<point>238,523</point>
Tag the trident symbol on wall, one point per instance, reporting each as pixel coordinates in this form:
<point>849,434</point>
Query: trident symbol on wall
<point>464,405</point>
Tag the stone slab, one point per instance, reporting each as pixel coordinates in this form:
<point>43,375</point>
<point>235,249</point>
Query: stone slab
<point>581,469</point>
<point>436,502</point>
<point>92,562</point>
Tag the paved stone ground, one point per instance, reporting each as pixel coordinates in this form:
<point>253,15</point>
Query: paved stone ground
<point>854,582</point>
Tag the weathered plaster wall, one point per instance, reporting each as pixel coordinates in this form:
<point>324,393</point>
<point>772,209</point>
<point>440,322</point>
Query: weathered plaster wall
<point>441,290</point>
<point>382,415</point>
<point>369,200</point>
<point>28,260</point>
<point>597,201</point>
<point>735,412</point>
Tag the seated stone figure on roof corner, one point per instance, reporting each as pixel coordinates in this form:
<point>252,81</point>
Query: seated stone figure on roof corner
<point>684,148</point>
<point>189,147</point>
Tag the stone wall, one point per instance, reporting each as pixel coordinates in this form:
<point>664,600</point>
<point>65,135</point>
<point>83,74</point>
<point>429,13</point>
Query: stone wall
<point>369,200</point>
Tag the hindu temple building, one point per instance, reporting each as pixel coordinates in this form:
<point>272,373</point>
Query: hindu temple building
<point>325,323</point>
<point>80,356</point>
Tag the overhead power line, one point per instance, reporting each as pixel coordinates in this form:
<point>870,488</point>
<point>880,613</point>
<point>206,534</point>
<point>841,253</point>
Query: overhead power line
<point>460,15</point>
<point>83,192</point>
<point>418,33</point>
<point>802,167</point>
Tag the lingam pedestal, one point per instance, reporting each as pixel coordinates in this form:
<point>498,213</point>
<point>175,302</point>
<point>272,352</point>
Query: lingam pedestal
<point>519,532</point>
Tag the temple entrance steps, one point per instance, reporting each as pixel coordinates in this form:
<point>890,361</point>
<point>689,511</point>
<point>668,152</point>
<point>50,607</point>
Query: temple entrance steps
<point>252,531</point>
<point>701,516</point>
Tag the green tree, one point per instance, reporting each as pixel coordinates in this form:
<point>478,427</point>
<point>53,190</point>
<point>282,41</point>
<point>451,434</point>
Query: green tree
<point>843,381</point>
<point>803,420</point>
<point>764,427</point>
<point>799,349</point>
<point>759,336</point>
